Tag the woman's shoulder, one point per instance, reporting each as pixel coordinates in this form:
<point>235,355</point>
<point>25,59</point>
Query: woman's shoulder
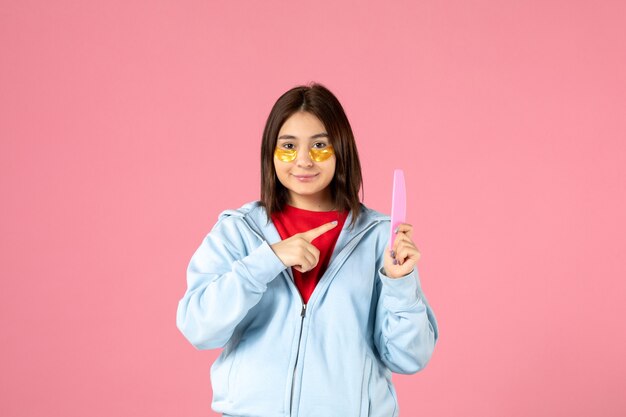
<point>376,226</point>
<point>250,217</point>
<point>248,209</point>
<point>368,216</point>
<point>252,211</point>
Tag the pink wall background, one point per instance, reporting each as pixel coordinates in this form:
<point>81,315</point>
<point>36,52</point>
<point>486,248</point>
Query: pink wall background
<point>507,117</point>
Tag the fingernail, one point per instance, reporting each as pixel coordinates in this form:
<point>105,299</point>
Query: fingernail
<point>393,254</point>
<point>396,229</point>
<point>334,222</point>
<point>395,262</point>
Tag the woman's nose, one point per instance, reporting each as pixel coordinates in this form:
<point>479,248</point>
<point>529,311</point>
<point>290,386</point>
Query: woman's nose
<point>303,159</point>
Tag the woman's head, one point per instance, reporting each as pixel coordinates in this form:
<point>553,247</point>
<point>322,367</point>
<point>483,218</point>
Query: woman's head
<point>310,117</point>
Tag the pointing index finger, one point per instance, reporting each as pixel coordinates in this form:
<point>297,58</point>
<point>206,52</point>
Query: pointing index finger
<point>312,234</point>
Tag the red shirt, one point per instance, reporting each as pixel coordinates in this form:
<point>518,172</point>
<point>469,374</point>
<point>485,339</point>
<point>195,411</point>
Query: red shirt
<point>293,220</point>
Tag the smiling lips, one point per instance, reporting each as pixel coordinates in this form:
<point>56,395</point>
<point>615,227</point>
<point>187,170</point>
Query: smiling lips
<point>305,178</point>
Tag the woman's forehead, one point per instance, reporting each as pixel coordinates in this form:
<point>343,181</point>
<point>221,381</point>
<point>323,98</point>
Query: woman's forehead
<point>302,122</point>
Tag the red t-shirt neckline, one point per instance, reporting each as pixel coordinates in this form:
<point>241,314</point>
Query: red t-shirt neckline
<point>292,220</point>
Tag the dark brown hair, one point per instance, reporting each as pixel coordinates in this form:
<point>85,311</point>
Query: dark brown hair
<point>319,101</point>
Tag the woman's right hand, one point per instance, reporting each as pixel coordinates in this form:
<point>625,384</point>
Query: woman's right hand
<point>298,251</point>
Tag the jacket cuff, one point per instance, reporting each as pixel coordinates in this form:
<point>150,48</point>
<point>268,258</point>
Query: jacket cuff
<point>399,292</point>
<point>262,265</point>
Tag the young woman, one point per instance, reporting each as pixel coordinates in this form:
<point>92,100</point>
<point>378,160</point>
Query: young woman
<point>312,310</point>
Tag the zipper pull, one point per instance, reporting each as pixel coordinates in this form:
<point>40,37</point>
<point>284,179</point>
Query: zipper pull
<point>303,312</point>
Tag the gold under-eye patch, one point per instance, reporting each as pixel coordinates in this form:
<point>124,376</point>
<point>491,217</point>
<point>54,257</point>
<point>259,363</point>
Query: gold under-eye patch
<point>317,155</point>
<point>285,155</point>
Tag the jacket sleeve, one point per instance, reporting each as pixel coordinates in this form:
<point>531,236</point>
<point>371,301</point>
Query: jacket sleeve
<point>223,283</point>
<point>405,329</point>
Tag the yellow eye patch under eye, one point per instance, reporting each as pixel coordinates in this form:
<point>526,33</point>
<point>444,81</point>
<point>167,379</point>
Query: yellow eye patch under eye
<point>317,155</point>
<point>285,155</point>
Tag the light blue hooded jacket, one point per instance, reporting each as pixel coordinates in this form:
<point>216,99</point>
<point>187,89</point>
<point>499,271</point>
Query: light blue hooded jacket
<point>331,357</point>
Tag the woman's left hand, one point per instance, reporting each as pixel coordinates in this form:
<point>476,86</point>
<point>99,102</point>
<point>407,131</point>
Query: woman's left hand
<point>402,259</point>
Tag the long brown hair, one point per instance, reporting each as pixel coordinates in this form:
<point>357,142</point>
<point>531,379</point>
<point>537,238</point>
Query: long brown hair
<point>319,101</point>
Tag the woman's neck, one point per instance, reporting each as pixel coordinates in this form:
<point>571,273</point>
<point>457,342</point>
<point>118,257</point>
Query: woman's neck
<point>312,203</point>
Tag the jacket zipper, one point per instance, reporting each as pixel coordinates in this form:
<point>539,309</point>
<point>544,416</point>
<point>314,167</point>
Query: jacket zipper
<point>350,245</point>
<point>295,367</point>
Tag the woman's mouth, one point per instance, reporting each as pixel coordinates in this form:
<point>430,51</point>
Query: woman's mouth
<point>305,178</point>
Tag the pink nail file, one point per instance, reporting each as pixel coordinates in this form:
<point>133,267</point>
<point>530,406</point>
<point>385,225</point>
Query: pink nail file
<point>398,203</point>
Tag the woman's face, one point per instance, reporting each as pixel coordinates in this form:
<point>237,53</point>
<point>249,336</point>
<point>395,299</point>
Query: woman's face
<point>307,180</point>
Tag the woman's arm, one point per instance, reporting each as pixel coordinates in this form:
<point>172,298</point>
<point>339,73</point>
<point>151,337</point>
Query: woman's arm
<point>406,329</point>
<point>223,284</point>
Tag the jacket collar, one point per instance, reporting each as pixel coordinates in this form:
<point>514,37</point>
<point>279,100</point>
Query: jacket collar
<point>256,217</point>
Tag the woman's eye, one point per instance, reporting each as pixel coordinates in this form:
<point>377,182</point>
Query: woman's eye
<point>288,146</point>
<point>319,145</point>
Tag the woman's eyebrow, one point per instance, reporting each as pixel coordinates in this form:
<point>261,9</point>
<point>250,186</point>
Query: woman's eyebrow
<point>316,136</point>
<point>320,135</point>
